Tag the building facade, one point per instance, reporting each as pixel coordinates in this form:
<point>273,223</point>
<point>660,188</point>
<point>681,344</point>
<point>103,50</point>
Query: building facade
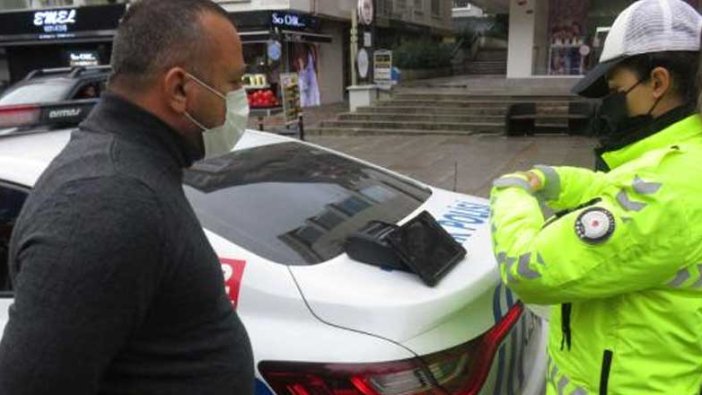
<point>309,37</point>
<point>556,38</point>
<point>321,51</point>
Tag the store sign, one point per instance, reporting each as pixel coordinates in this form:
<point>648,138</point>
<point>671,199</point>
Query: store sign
<point>363,63</point>
<point>83,59</point>
<point>275,50</point>
<point>255,81</point>
<point>366,13</point>
<point>55,21</point>
<point>290,21</point>
<point>292,106</point>
<point>382,67</point>
<point>49,24</point>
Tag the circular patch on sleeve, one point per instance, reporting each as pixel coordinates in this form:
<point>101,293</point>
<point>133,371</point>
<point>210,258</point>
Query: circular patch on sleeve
<point>595,225</point>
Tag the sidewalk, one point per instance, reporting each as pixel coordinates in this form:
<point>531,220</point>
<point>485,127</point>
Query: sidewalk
<point>312,116</point>
<point>467,164</point>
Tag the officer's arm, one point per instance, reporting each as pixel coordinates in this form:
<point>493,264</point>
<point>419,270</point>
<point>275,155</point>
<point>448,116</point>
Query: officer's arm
<point>88,268</point>
<point>565,187</point>
<point>620,243</point>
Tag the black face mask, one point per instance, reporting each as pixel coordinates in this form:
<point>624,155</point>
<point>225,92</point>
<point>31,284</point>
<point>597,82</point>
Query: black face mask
<point>613,120</point>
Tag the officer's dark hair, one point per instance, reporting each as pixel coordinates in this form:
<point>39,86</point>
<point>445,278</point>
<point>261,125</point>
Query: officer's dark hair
<point>682,66</point>
<point>156,35</point>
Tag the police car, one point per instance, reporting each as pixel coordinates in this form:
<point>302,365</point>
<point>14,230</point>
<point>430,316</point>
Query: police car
<point>278,212</point>
<point>51,98</point>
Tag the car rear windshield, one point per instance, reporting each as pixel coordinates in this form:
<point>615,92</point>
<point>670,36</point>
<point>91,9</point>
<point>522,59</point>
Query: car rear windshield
<point>295,204</point>
<point>47,91</point>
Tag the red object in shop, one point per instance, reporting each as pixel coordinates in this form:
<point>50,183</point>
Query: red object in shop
<point>263,98</point>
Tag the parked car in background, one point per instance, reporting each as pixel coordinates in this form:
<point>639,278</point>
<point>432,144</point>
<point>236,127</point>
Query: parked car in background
<point>51,99</point>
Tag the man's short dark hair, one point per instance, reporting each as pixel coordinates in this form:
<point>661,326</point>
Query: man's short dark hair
<point>156,35</point>
<point>682,66</point>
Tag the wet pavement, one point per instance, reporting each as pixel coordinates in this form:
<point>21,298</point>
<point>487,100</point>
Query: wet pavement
<point>467,164</point>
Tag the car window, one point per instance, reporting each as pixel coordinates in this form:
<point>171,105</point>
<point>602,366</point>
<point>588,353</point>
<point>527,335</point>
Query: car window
<point>11,201</point>
<point>89,90</point>
<point>46,91</point>
<point>295,204</point>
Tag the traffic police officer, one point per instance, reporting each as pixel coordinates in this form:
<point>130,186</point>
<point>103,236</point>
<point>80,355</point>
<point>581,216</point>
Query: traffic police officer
<point>621,260</point>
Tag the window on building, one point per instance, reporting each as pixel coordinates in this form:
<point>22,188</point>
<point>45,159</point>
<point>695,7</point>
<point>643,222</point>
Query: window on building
<point>384,7</point>
<point>419,5</point>
<point>400,6</point>
<point>436,7</point>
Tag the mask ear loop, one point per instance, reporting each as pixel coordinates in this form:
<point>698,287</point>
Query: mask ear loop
<point>209,88</point>
<point>206,86</point>
<point>198,124</point>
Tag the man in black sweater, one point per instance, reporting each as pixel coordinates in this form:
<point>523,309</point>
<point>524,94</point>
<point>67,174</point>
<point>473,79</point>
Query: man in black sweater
<point>117,289</point>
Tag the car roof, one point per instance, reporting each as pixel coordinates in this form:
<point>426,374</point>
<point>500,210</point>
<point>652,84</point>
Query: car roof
<point>75,73</point>
<point>24,156</point>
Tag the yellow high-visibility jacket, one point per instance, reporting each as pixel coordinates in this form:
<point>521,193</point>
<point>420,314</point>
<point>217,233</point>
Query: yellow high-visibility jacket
<point>622,265</point>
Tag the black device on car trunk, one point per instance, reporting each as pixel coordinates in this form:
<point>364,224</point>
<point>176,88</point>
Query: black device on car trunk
<point>420,246</point>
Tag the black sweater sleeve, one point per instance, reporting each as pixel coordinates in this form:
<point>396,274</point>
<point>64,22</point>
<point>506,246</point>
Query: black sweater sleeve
<point>88,261</point>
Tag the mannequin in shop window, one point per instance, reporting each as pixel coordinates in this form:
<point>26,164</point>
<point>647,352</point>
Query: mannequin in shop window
<point>306,67</point>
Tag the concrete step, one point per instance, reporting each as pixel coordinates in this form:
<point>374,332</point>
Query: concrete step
<point>485,68</point>
<point>487,98</point>
<point>449,104</point>
<point>494,55</point>
<point>453,105</point>
<point>421,117</point>
<point>487,63</point>
<point>347,131</point>
<point>414,125</point>
<point>390,109</point>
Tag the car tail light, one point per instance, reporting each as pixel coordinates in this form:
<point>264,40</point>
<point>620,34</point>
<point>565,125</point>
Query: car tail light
<point>21,115</point>
<point>461,370</point>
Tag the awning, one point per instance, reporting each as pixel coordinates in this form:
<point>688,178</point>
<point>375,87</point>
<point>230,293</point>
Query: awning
<point>53,39</point>
<point>253,37</point>
<point>306,37</point>
<point>263,36</point>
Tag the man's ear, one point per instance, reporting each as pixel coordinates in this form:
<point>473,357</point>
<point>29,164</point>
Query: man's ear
<point>176,89</point>
<point>660,82</point>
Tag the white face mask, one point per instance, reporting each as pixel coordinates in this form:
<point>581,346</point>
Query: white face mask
<point>222,139</point>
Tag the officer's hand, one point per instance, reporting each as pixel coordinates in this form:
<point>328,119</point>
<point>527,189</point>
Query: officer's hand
<point>534,181</point>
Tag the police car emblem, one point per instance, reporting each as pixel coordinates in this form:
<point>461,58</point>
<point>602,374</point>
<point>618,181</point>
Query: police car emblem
<point>595,225</point>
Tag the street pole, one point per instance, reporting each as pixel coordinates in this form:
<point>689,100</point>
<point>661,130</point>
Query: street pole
<point>354,46</point>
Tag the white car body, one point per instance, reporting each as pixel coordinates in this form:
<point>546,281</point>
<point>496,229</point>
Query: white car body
<point>345,312</point>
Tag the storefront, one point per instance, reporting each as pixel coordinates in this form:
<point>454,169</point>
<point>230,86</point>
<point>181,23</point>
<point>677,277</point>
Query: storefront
<point>280,42</point>
<point>577,30</point>
<point>560,37</point>
<point>59,37</point>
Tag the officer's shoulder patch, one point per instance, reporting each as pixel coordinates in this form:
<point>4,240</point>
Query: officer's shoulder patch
<point>595,225</point>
